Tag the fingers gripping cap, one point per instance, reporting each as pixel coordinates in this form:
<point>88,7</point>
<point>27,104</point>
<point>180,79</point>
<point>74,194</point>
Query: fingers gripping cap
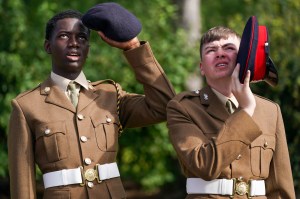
<point>253,54</point>
<point>113,20</point>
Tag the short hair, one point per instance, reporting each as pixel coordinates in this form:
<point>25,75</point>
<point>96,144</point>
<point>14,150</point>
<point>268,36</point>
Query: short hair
<point>61,15</point>
<point>215,34</point>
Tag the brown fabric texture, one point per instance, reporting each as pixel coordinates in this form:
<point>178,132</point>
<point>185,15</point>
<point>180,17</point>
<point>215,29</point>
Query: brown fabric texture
<point>213,144</point>
<point>47,107</point>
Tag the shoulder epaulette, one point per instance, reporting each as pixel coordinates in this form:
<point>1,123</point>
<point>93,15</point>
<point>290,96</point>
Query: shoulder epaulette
<point>186,94</point>
<point>109,81</point>
<point>264,98</point>
<point>28,91</point>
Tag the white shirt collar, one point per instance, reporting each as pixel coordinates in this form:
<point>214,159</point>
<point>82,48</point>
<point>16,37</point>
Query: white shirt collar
<point>224,99</point>
<point>63,82</point>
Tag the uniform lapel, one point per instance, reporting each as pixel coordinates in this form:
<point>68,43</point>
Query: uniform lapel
<point>55,95</point>
<point>86,97</point>
<point>214,106</point>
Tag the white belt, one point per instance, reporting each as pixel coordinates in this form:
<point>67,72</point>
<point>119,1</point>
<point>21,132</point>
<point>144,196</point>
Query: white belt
<point>78,176</point>
<point>226,187</point>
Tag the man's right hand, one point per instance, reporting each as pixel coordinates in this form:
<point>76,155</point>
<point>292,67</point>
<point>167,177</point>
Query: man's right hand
<point>127,45</point>
<point>242,92</point>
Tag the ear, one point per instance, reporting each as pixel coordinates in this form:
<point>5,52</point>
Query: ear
<point>47,46</point>
<point>201,69</point>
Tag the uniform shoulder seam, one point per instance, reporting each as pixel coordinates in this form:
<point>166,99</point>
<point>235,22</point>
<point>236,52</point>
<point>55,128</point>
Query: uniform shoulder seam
<point>27,92</point>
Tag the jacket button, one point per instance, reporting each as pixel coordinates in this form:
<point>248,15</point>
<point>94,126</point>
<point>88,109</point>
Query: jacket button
<point>90,184</point>
<point>47,89</point>
<point>108,120</point>
<point>266,144</point>
<point>83,138</point>
<point>80,116</point>
<point>87,161</point>
<point>47,131</point>
<point>239,157</point>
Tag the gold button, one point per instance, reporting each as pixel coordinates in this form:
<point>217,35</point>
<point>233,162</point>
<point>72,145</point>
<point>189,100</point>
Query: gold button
<point>266,144</point>
<point>87,161</point>
<point>83,138</point>
<point>80,117</point>
<point>239,157</point>
<point>90,184</point>
<point>47,89</point>
<point>47,131</point>
<point>108,120</point>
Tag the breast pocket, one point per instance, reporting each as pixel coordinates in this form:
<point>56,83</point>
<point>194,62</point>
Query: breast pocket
<point>261,153</point>
<point>52,138</point>
<point>106,128</point>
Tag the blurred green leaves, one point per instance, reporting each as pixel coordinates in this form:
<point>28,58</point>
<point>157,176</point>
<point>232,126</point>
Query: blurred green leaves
<point>146,155</point>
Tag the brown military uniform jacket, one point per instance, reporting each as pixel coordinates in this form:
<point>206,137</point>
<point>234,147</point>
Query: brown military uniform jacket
<point>47,107</point>
<point>212,144</point>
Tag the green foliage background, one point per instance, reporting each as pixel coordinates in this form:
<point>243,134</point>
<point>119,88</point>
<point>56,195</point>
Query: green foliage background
<point>146,155</point>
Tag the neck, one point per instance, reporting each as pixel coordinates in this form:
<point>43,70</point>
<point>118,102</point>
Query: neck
<point>223,87</point>
<point>70,76</point>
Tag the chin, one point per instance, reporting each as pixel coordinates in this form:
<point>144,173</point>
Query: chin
<point>75,64</point>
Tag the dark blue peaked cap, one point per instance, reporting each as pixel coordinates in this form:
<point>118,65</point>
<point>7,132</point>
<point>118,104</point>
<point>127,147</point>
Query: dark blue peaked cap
<point>113,20</point>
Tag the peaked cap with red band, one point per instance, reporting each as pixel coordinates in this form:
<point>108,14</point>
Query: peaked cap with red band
<point>253,54</point>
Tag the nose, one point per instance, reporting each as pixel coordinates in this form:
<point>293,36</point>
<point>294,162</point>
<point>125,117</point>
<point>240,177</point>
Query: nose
<point>73,42</point>
<point>220,53</point>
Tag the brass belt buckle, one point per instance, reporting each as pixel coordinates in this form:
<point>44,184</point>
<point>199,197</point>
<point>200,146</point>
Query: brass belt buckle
<point>89,175</point>
<point>240,187</point>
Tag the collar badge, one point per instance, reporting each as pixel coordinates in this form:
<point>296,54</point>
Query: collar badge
<point>205,96</point>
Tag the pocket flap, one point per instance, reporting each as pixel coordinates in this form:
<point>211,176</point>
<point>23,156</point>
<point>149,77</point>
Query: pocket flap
<point>264,141</point>
<point>106,118</point>
<point>48,129</point>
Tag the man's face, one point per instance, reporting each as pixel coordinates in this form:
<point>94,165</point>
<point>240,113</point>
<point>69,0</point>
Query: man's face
<point>219,59</point>
<point>69,47</point>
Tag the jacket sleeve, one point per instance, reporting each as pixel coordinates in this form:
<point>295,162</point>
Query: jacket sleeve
<point>202,157</point>
<point>141,110</point>
<point>279,184</point>
<point>21,156</point>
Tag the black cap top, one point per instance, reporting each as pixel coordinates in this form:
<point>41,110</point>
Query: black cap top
<point>113,20</point>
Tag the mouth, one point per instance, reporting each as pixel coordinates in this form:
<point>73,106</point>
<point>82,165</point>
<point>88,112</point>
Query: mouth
<point>220,65</point>
<point>73,56</point>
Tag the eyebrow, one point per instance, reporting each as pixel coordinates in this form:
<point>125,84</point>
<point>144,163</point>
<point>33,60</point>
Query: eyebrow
<point>70,32</point>
<point>214,46</point>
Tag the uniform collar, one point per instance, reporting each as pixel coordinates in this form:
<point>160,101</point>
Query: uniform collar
<point>63,82</point>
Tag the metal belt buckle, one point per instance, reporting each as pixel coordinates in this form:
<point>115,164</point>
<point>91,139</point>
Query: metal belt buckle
<point>240,187</point>
<point>89,175</point>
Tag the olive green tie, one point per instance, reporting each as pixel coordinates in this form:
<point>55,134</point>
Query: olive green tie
<point>229,106</point>
<point>73,93</point>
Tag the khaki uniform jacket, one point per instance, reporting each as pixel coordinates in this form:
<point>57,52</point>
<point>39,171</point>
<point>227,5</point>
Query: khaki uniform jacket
<point>47,107</point>
<point>212,144</point>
